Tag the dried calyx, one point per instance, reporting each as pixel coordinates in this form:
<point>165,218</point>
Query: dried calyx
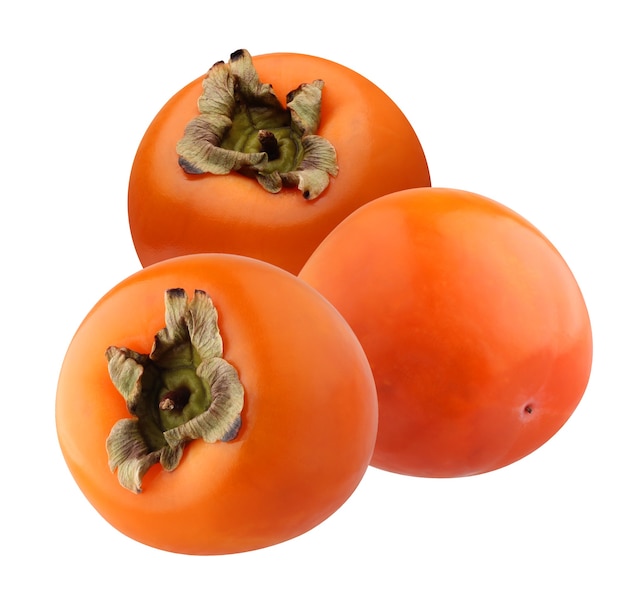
<point>183,390</point>
<point>242,126</point>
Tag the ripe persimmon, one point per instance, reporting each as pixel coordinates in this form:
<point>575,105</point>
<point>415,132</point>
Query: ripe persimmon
<point>215,404</point>
<point>475,327</point>
<point>321,141</point>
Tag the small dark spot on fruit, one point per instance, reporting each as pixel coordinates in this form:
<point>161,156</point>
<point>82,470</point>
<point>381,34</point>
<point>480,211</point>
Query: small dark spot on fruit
<point>306,194</point>
<point>528,409</point>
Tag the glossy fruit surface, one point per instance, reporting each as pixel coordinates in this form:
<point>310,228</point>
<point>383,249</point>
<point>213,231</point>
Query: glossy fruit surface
<point>308,421</point>
<point>475,328</point>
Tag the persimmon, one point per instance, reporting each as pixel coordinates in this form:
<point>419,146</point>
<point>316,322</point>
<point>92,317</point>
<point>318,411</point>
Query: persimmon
<point>475,327</point>
<point>215,404</point>
<point>234,164</point>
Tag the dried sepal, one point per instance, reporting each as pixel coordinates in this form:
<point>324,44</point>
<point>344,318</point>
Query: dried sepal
<point>202,326</point>
<point>183,390</point>
<point>129,454</point>
<point>125,370</point>
<point>225,409</point>
<point>318,164</point>
<point>272,182</point>
<point>243,127</point>
<point>305,105</point>
<point>248,85</point>
<point>200,151</point>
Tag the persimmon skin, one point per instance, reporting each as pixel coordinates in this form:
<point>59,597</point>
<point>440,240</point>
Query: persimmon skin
<point>475,327</point>
<point>173,213</point>
<point>308,424</point>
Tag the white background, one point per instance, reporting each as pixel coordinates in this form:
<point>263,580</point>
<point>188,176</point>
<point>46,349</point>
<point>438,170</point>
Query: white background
<point>521,102</point>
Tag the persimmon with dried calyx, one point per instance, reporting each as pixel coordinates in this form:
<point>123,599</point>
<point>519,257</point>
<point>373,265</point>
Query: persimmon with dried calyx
<point>474,325</point>
<point>215,404</point>
<point>234,164</point>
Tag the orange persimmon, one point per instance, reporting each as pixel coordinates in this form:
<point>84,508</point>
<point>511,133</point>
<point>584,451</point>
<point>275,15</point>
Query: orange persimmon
<point>358,145</point>
<point>474,325</point>
<point>238,414</point>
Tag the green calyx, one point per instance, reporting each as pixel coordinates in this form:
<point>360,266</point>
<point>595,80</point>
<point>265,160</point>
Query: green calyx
<point>183,390</point>
<point>243,127</point>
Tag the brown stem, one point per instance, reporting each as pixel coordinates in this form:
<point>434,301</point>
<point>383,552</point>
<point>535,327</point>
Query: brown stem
<point>176,399</point>
<point>269,144</point>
